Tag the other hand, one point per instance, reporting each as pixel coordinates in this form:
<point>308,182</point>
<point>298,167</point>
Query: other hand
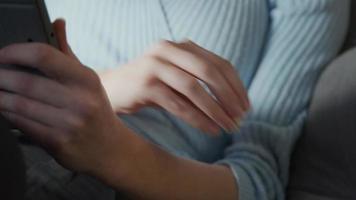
<point>169,76</point>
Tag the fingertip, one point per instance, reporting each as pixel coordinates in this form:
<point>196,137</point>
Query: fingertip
<point>248,106</point>
<point>59,27</point>
<point>245,105</point>
<point>247,101</point>
<point>60,21</point>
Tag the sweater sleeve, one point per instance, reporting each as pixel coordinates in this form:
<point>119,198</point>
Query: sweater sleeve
<point>304,36</point>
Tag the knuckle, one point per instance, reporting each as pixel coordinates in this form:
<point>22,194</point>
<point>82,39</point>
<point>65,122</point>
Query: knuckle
<point>207,71</point>
<point>93,76</point>
<point>187,43</point>
<point>162,46</point>
<point>43,53</point>
<point>165,44</point>
<point>75,123</point>
<point>191,86</point>
<point>92,106</point>
<point>60,143</point>
<point>157,90</point>
<point>227,66</point>
<point>150,62</point>
<point>149,77</point>
<point>88,110</point>
<point>150,81</point>
<point>93,79</point>
<point>24,84</point>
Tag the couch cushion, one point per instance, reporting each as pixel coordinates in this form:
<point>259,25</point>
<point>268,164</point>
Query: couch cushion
<point>324,161</point>
<point>12,167</point>
<point>351,39</point>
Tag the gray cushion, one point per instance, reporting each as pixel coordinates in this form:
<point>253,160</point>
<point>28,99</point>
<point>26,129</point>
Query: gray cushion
<point>351,39</point>
<point>306,195</point>
<point>324,162</point>
<point>12,167</point>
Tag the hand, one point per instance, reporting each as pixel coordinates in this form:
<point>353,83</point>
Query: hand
<point>66,110</point>
<point>168,76</point>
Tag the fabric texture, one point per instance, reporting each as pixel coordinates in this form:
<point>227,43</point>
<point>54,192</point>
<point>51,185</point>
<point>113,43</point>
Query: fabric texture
<point>12,166</point>
<point>305,195</point>
<point>279,48</point>
<point>351,38</point>
<point>302,40</point>
<point>324,160</point>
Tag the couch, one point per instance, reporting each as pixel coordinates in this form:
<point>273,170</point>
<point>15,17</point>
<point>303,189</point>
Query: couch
<point>323,163</point>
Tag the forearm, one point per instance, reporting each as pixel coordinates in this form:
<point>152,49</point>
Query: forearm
<point>144,171</point>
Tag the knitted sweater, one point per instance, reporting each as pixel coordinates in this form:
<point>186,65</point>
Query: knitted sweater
<point>279,48</point>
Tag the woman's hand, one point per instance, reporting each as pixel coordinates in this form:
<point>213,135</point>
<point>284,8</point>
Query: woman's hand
<point>66,110</point>
<point>169,76</point>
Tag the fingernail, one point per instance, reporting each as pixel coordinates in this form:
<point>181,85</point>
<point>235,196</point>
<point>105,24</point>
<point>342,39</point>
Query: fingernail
<point>237,110</point>
<point>227,128</point>
<point>250,109</point>
<point>231,128</point>
<point>237,121</point>
<point>249,106</point>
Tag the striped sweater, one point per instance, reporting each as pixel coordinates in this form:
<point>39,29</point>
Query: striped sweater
<point>279,48</point>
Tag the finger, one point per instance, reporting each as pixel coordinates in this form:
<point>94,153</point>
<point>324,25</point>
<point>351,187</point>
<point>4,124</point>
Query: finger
<point>48,60</point>
<point>233,85</point>
<point>60,31</point>
<point>204,71</point>
<point>34,87</point>
<point>182,108</point>
<point>240,91</point>
<point>189,87</point>
<point>227,70</point>
<point>38,132</point>
<point>30,109</point>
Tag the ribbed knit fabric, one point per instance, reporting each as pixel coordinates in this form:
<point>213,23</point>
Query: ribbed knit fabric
<point>278,46</point>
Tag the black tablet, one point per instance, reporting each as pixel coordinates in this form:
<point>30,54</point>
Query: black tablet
<point>24,21</point>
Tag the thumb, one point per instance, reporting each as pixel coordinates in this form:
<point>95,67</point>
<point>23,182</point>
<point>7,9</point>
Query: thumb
<point>59,27</point>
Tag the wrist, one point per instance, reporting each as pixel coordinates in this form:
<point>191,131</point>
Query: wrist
<point>121,159</point>
<point>108,81</point>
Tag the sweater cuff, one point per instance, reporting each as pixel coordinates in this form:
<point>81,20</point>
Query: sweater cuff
<point>244,185</point>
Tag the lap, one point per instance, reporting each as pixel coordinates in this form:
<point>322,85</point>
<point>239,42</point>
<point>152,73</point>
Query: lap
<point>46,179</point>
<point>12,172</point>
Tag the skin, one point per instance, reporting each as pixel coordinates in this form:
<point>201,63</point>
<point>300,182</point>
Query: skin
<point>77,123</point>
<point>167,76</point>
